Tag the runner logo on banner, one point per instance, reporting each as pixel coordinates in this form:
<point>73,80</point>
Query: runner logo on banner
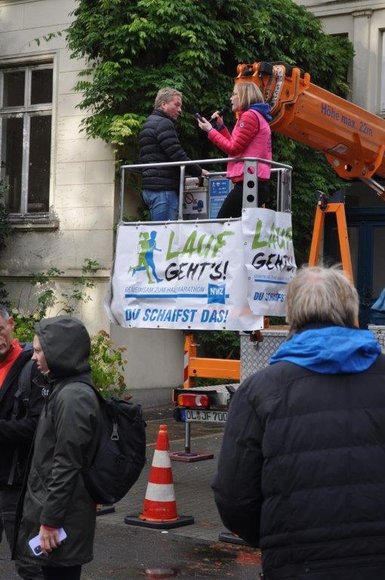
<point>269,259</point>
<point>181,275</point>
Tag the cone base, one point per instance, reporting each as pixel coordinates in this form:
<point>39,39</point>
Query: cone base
<point>189,457</point>
<point>161,525</point>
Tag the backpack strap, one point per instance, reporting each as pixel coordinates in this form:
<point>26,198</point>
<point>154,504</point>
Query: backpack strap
<point>23,391</point>
<point>21,398</point>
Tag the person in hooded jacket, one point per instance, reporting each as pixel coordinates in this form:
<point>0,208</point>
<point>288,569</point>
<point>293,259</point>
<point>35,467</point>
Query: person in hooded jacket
<point>301,472</point>
<point>251,137</point>
<point>65,443</point>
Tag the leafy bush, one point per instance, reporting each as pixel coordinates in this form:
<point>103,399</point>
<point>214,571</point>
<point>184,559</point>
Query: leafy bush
<point>106,359</point>
<point>107,365</point>
<point>218,344</point>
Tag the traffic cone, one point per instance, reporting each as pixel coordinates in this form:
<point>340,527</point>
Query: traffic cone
<point>159,508</point>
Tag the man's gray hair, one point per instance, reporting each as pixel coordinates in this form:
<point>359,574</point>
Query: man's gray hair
<point>321,295</point>
<point>166,95</point>
<point>4,314</point>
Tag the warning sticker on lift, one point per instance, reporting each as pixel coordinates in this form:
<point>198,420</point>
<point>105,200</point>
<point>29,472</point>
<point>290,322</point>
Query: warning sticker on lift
<point>205,416</point>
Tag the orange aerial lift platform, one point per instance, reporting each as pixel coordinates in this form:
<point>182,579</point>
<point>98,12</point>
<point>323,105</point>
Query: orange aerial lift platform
<point>352,138</point>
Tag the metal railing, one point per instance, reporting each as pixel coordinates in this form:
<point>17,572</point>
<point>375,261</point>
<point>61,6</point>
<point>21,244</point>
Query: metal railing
<point>250,179</point>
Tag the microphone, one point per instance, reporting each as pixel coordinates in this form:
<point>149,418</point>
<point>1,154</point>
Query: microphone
<point>220,113</point>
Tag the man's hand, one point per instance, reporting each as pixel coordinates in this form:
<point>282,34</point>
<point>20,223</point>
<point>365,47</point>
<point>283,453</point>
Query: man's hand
<point>49,538</point>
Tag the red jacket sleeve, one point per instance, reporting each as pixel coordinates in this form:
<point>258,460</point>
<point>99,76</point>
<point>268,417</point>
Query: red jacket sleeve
<point>245,130</point>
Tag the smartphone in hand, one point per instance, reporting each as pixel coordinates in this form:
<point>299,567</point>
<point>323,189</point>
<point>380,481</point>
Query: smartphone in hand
<point>34,544</point>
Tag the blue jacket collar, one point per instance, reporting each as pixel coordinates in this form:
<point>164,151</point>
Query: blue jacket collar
<point>330,350</point>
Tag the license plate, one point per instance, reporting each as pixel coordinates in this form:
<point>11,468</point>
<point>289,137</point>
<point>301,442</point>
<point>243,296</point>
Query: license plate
<point>191,415</point>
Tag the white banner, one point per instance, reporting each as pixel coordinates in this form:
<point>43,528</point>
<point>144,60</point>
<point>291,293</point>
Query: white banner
<point>269,259</point>
<point>185,275</point>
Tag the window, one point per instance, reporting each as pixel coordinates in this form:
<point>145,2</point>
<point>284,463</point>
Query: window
<point>25,136</point>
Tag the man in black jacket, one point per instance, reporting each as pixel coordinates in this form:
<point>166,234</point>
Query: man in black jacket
<point>301,472</point>
<point>20,406</point>
<point>159,143</point>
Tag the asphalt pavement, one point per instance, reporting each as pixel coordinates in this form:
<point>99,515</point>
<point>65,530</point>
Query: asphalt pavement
<point>190,551</point>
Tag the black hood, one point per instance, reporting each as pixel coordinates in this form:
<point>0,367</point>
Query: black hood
<point>66,345</point>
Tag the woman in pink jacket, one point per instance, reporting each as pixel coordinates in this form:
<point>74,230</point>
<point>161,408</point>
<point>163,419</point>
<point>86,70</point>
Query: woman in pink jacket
<point>251,137</point>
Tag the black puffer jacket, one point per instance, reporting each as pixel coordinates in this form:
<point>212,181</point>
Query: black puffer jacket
<point>301,472</point>
<point>16,433</point>
<point>65,442</point>
<point>159,143</point>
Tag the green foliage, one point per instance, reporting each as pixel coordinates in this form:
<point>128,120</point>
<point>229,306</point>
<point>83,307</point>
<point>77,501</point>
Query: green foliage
<point>143,215</point>
<point>311,173</point>
<point>107,365</point>
<point>44,292</point>
<point>218,344</point>
<point>106,360</point>
<point>134,48</point>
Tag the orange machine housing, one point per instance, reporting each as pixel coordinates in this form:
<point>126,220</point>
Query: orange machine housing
<point>352,139</point>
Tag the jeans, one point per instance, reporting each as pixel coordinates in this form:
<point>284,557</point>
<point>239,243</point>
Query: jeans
<point>163,205</point>
<point>8,503</point>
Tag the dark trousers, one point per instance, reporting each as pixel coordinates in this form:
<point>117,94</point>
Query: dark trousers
<point>8,503</point>
<point>232,206</point>
<point>62,573</point>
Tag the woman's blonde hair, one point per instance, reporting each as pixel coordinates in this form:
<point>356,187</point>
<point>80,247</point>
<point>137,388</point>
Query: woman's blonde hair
<point>248,94</point>
<point>321,295</point>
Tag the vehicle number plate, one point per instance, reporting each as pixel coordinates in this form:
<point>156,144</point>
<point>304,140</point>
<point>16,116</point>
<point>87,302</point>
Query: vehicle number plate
<point>191,415</point>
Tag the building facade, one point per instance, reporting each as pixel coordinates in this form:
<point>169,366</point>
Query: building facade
<point>60,186</point>
<point>363,22</point>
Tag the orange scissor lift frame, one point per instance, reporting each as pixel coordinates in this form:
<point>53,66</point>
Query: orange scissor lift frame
<point>353,141</point>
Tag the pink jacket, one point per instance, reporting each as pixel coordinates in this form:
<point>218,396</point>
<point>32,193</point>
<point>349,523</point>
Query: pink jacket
<point>251,137</point>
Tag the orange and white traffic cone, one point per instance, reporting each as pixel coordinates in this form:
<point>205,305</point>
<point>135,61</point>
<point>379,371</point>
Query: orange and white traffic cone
<point>159,508</point>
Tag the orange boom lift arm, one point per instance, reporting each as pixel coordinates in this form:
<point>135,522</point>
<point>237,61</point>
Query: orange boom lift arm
<point>352,138</point>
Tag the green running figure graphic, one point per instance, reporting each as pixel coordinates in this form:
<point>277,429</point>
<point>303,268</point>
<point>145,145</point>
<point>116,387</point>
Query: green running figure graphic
<point>146,247</point>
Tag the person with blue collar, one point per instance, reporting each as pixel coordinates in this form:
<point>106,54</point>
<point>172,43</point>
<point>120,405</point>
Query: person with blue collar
<point>251,137</point>
<point>301,472</point>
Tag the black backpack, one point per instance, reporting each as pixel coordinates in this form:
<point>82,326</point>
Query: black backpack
<point>121,453</point>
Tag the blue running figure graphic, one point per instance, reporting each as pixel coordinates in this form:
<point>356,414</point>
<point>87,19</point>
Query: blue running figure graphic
<point>146,247</point>
<point>150,255</point>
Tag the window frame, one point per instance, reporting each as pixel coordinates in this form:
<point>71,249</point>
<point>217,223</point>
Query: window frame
<point>26,112</point>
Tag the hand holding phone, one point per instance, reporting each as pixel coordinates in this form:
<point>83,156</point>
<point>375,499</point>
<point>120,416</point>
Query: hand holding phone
<point>198,116</point>
<point>34,544</point>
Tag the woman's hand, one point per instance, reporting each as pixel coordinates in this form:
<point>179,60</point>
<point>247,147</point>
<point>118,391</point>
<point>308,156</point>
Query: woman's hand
<point>204,124</point>
<point>217,117</point>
